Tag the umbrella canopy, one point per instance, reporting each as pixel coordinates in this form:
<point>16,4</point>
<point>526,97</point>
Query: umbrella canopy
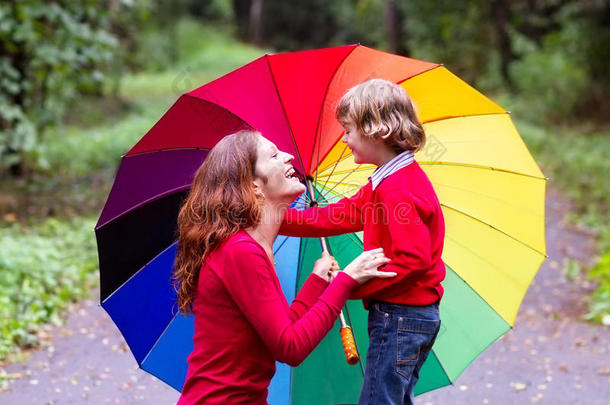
<point>490,188</point>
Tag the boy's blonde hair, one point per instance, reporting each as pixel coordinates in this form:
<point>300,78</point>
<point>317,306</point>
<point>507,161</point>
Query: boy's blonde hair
<point>381,109</point>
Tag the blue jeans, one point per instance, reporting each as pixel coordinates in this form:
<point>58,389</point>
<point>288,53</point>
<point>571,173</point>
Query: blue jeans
<point>400,338</point>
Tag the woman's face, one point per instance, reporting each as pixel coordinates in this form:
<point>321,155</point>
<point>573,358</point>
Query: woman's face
<point>282,183</point>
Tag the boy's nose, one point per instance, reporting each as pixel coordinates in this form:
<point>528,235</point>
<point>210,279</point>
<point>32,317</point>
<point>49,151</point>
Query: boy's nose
<point>344,138</point>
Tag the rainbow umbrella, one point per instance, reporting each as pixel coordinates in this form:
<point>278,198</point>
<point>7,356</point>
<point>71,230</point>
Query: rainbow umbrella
<point>490,188</point>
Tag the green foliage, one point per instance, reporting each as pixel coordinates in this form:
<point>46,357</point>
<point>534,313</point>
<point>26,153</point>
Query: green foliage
<point>298,25</point>
<point>457,34</point>
<point>42,269</point>
<point>207,53</point>
<point>50,52</point>
<point>74,151</point>
<point>599,309</point>
<point>552,77</point>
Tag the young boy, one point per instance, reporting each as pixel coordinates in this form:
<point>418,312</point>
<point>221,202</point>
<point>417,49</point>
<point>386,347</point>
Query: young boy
<point>399,212</point>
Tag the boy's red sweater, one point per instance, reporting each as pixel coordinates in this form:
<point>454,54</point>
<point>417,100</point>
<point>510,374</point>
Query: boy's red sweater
<point>403,216</point>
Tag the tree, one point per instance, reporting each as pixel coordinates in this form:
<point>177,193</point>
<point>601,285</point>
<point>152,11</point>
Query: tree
<point>50,51</point>
<point>394,23</point>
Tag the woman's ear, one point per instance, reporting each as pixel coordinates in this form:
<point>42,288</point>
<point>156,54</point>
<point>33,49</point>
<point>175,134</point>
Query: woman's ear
<point>257,187</point>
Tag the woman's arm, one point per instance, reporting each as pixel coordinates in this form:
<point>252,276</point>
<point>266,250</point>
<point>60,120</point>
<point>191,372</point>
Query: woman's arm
<point>253,285</point>
<point>323,272</point>
<point>313,287</point>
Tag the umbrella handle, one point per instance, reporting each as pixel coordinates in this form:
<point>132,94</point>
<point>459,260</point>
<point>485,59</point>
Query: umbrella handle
<point>351,354</point>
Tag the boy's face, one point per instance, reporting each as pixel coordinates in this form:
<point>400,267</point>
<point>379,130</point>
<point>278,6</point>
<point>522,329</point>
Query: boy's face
<point>363,148</point>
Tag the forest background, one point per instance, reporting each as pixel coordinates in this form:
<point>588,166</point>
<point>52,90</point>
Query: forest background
<point>82,80</point>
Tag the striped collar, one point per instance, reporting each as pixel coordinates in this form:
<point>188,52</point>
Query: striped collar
<point>396,163</point>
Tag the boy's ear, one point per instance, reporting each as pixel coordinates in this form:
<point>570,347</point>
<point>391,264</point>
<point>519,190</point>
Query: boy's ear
<point>380,139</point>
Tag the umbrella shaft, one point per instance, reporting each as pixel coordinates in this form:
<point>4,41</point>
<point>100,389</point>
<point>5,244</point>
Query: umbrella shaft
<point>324,243</point>
<point>342,319</point>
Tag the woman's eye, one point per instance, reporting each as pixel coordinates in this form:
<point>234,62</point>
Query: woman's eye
<point>274,155</point>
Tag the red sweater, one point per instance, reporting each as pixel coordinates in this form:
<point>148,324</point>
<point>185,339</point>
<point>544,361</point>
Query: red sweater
<point>243,324</point>
<point>403,216</point>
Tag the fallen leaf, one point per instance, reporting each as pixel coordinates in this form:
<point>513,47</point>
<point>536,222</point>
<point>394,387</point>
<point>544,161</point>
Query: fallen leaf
<point>518,386</point>
<point>604,371</point>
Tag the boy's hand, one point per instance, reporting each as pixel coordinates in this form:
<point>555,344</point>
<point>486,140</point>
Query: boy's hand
<point>326,267</point>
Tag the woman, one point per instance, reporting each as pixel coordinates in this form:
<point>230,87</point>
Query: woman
<point>224,274</point>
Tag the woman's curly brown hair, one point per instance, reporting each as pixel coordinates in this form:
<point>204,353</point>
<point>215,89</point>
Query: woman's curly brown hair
<point>220,203</point>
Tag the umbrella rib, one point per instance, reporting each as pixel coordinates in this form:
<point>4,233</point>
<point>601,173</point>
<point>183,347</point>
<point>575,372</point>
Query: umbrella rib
<point>301,206</point>
<point>200,100</point>
<point>315,180</point>
<point>305,199</point>
<point>494,228</point>
<point>436,66</point>
<point>363,168</point>
<point>338,194</point>
<point>441,364</point>
<point>143,203</point>
<point>475,166</point>
<point>334,167</point>
<point>158,339</point>
<point>340,181</point>
<point>486,196</point>
<point>321,112</point>
<point>477,294</point>
<point>294,142</point>
<point>353,185</point>
<point>467,285</point>
<point>449,117</point>
<point>354,239</point>
<point>138,271</point>
<point>339,161</point>
<point>281,244</point>
<point>166,150</point>
<point>507,276</point>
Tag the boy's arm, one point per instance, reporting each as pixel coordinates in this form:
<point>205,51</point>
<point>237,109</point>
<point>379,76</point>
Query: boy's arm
<point>411,251</point>
<point>344,216</point>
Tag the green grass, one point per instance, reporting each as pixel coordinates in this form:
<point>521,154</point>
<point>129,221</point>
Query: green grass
<point>42,269</point>
<point>206,53</point>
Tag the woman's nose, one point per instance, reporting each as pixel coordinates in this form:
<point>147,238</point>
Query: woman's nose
<point>288,158</point>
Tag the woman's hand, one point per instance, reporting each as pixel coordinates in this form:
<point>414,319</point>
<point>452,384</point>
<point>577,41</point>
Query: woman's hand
<point>364,267</point>
<point>326,267</point>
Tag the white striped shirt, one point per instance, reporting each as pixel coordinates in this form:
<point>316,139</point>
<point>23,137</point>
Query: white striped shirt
<point>396,163</point>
